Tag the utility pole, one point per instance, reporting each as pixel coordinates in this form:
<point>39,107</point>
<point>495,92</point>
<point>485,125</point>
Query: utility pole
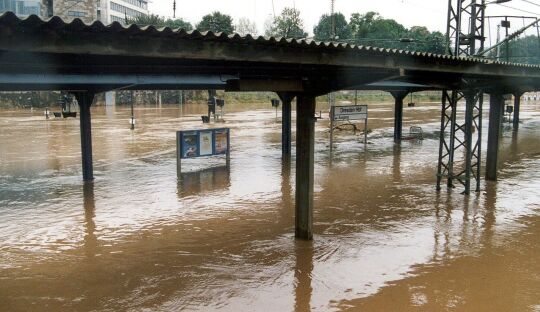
<point>174,9</point>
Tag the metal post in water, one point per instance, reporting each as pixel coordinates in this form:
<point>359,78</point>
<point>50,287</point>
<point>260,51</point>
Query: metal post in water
<point>132,121</point>
<point>178,155</point>
<point>286,133</point>
<point>85,100</point>
<point>470,101</point>
<point>517,104</point>
<point>305,154</point>
<point>228,155</point>
<point>331,130</point>
<point>496,103</point>
<point>365,130</point>
<point>398,114</point>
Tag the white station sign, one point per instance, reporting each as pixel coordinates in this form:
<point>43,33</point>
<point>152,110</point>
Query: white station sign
<point>350,112</point>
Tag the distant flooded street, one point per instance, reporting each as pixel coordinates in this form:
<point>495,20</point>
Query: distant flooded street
<point>222,238</point>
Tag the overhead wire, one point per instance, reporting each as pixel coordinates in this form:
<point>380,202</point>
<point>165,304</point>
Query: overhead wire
<point>513,8</point>
<point>530,2</point>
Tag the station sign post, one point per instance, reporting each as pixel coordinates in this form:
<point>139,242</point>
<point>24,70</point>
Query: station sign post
<point>347,113</point>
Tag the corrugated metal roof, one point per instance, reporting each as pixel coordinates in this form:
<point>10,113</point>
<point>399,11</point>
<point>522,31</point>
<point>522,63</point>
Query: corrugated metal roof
<point>35,23</point>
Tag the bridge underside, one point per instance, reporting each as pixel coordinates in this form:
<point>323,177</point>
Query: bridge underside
<point>86,59</point>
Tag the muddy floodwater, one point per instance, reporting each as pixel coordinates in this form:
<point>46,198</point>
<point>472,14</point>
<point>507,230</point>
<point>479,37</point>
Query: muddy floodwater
<point>222,238</point>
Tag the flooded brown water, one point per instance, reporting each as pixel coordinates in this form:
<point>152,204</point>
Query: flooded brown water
<point>222,238</point>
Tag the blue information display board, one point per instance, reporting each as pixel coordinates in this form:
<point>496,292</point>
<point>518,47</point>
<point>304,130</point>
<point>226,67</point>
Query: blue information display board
<point>198,143</point>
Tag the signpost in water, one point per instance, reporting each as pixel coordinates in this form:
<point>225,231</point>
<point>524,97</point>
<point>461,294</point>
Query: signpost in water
<point>201,143</point>
<point>347,113</point>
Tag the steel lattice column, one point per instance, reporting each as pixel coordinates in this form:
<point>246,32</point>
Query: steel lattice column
<point>460,138</point>
<point>465,28</point>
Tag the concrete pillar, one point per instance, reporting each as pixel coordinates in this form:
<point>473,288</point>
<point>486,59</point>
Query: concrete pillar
<point>305,153</point>
<point>85,100</point>
<point>398,114</point>
<point>286,133</point>
<point>517,103</point>
<point>496,105</point>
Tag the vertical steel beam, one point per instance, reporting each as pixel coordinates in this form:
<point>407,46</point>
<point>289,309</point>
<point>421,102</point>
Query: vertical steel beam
<point>517,103</point>
<point>465,27</point>
<point>496,104</point>
<point>470,101</point>
<point>398,114</point>
<point>443,147</point>
<point>305,154</point>
<point>452,142</point>
<point>477,151</point>
<point>85,100</point>
<point>286,133</point>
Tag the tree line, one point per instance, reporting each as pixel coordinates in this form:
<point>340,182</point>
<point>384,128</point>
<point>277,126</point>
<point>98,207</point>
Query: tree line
<point>362,29</point>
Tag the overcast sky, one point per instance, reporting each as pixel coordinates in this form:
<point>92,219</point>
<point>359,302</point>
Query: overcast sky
<point>429,13</point>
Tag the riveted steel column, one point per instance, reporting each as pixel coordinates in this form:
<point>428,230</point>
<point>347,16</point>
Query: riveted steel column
<point>305,153</point>
<point>496,104</point>
<point>286,133</point>
<point>85,100</point>
<point>398,115</point>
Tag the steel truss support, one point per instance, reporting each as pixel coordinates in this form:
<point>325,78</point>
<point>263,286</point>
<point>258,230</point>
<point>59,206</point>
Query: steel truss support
<point>465,29</point>
<point>464,137</point>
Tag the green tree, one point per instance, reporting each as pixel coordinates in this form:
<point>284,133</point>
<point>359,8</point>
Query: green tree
<point>246,26</point>
<point>216,22</point>
<point>288,25</point>
<point>372,29</point>
<point>178,23</point>
<point>146,20</point>
<point>323,30</point>
<point>421,39</point>
<point>522,50</point>
<point>158,21</point>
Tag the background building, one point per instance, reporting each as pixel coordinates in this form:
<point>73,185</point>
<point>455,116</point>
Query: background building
<point>117,10</point>
<point>22,8</point>
<point>106,11</point>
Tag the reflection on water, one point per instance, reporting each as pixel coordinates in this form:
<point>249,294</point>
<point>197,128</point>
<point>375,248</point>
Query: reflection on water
<point>221,238</point>
<point>302,275</point>
<point>90,239</point>
<point>203,181</point>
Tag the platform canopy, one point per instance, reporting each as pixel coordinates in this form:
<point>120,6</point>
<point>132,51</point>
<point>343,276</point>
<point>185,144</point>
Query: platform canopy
<point>38,54</point>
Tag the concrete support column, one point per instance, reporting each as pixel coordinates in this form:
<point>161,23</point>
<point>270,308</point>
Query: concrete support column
<point>286,133</point>
<point>496,104</point>
<point>398,114</point>
<point>517,103</point>
<point>305,153</point>
<point>85,100</point>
